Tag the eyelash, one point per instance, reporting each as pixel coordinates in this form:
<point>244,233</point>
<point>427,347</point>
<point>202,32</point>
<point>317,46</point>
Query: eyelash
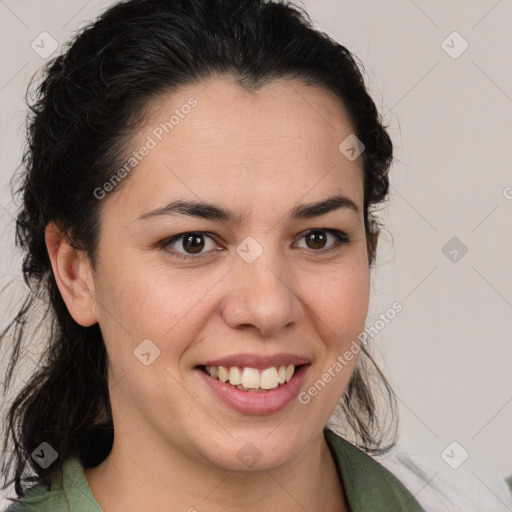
<point>341,239</point>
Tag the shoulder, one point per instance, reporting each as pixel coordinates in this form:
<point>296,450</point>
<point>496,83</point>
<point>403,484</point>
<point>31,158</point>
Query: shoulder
<point>367,484</point>
<point>68,492</point>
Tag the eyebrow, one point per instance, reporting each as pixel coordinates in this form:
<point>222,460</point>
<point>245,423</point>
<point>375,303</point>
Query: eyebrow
<point>211,211</point>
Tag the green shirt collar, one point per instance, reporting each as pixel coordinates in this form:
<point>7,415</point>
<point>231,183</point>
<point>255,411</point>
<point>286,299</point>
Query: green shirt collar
<point>368,486</point>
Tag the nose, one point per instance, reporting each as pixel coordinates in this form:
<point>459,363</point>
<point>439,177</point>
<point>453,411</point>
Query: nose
<point>262,295</point>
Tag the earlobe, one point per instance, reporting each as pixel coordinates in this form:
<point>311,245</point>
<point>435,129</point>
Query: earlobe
<point>73,275</point>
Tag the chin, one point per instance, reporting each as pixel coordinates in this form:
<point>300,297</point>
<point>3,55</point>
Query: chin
<point>257,449</point>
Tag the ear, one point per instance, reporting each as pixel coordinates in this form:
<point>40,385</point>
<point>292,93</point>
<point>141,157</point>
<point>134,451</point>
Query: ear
<point>373,238</point>
<point>73,274</point>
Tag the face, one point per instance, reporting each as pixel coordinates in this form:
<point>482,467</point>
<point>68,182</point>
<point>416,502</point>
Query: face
<point>270,284</point>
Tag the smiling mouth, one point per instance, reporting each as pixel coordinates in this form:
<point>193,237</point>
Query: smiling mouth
<point>252,379</point>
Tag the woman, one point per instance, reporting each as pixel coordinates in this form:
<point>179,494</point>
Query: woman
<point>197,213</point>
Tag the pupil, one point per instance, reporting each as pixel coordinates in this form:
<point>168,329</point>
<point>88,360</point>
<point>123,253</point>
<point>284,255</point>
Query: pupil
<point>196,242</point>
<point>317,238</point>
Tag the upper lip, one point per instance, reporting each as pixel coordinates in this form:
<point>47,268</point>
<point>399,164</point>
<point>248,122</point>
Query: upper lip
<point>257,360</point>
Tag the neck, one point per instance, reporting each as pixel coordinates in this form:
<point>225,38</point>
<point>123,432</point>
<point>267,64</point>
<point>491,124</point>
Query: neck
<point>134,477</point>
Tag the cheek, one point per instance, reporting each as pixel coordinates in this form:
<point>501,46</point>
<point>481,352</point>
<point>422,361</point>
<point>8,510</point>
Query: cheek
<point>340,310</point>
<point>141,300</point>
<point>340,303</point>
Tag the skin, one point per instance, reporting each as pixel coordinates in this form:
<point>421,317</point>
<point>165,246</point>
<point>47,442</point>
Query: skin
<point>259,154</point>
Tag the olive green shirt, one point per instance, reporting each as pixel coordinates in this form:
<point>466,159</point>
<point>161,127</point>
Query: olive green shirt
<point>369,487</point>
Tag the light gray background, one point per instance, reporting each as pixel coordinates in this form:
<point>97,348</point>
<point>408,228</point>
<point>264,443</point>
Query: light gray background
<point>449,352</point>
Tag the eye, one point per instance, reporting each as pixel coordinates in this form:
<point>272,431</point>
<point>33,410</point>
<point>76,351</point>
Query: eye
<point>316,239</point>
<point>192,243</point>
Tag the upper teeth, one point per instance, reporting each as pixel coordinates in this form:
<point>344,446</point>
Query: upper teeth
<point>252,378</point>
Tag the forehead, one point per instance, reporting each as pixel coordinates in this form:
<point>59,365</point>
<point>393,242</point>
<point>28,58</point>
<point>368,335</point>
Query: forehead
<point>217,140</point>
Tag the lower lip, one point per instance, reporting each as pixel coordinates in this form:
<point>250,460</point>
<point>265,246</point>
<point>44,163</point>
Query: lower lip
<point>248,402</point>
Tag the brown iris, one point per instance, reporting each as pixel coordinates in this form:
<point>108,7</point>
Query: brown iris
<point>316,239</point>
<point>195,241</point>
